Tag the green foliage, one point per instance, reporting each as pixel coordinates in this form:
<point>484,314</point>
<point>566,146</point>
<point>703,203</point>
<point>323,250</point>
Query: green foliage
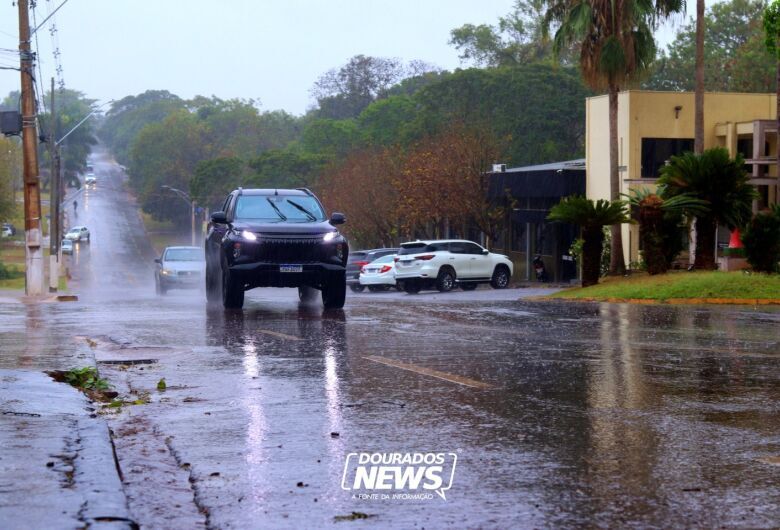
<point>166,153</point>
<point>762,241</point>
<point>771,24</point>
<point>586,213</point>
<point>614,39</point>
<point>129,115</point>
<point>9,273</point>
<point>161,386</point>
<point>86,378</point>
<point>714,179</point>
<point>330,138</point>
<point>718,180</point>
<point>286,169</point>
<point>387,122</point>
<point>735,57</point>
<point>537,109</point>
<point>215,178</point>
<point>343,93</point>
<point>10,176</point>
<point>592,218</point>
<point>516,39</point>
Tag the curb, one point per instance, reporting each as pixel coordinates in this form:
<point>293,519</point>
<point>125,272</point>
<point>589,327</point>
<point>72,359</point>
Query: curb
<point>669,301</point>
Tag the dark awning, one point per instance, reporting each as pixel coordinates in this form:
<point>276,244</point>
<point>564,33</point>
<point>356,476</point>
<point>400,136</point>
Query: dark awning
<point>555,183</point>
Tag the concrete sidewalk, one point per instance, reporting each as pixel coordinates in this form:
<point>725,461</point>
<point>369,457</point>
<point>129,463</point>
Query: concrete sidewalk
<point>57,467</point>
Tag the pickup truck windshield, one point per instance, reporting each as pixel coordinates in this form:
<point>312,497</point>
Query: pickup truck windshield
<point>278,208</point>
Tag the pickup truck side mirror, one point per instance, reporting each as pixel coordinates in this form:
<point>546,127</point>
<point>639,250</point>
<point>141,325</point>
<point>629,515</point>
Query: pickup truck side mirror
<point>485,252</point>
<point>157,260</point>
<point>337,218</point>
<point>219,218</point>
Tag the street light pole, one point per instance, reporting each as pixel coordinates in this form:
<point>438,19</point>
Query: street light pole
<point>184,196</point>
<point>54,210</point>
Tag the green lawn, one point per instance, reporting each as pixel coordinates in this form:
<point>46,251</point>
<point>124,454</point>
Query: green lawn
<point>713,286</point>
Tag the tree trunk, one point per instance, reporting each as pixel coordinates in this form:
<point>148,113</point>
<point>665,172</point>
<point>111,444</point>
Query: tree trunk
<point>705,243</point>
<point>777,136</point>
<point>592,244</point>
<point>650,219</point>
<point>698,137</point>
<point>617,264</point>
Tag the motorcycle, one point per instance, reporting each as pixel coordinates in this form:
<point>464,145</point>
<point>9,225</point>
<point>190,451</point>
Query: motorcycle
<point>541,272</point>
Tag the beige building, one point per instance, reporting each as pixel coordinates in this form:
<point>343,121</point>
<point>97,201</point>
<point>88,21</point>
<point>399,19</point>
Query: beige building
<point>653,126</point>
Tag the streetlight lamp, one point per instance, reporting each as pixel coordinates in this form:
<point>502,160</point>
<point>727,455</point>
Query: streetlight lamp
<point>185,196</point>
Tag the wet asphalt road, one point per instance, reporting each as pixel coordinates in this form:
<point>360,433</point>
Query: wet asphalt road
<point>561,415</point>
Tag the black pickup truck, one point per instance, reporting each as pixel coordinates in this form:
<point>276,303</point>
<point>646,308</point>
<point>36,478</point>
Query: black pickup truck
<point>275,238</point>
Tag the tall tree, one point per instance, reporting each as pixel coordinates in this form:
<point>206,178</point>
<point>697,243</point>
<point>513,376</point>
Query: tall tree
<point>345,92</point>
<point>516,39</point>
<point>772,30</point>
<point>616,45</point>
<point>735,57</point>
<point>698,126</point>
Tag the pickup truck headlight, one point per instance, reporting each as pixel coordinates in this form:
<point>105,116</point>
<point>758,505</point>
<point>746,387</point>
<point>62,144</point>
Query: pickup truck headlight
<point>249,236</point>
<point>330,236</point>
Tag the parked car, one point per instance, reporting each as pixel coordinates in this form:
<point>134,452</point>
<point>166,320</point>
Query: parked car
<point>379,275</point>
<point>275,238</point>
<point>357,259</point>
<point>179,268</point>
<point>67,246</point>
<point>443,264</point>
<point>8,230</point>
<point>78,233</point>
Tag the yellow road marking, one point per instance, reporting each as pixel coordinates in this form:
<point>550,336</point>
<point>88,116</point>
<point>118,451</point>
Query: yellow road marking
<point>452,378</point>
<point>278,335</point>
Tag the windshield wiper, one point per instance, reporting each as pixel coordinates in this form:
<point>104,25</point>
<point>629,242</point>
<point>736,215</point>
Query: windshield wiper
<point>310,215</point>
<point>276,209</point>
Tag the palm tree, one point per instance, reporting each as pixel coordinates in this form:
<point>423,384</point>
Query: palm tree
<point>616,45</point>
<point>659,222</point>
<point>772,30</point>
<point>590,217</point>
<point>698,120</point>
<point>719,180</point>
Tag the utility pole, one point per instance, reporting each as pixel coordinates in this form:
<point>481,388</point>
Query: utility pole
<point>32,190</point>
<point>54,210</point>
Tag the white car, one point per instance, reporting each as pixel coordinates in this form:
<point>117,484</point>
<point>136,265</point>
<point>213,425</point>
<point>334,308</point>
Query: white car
<point>443,264</point>
<point>78,233</point>
<point>67,246</point>
<point>90,180</point>
<point>379,275</point>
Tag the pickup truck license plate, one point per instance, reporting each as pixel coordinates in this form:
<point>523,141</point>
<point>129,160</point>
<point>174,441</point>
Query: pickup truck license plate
<point>290,268</point>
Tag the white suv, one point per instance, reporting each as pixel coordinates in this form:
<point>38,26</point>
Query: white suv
<point>445,263</point>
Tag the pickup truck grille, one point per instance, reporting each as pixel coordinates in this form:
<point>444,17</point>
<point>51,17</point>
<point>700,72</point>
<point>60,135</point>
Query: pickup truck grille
<point>290,249</point>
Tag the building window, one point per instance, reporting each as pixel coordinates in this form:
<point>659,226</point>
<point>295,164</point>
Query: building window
<point>656,151</point>
<point>518,237</point>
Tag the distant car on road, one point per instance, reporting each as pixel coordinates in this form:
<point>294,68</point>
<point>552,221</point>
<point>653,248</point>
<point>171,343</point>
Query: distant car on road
<point>8,230</point>
<point>90,180</point>
<point>78,233</point>
<point>357,259</point>
<point>379,275</point>
<point>67,246</point>
<point>443,264</point>
<point>275,238</point>
<point>179,268</point>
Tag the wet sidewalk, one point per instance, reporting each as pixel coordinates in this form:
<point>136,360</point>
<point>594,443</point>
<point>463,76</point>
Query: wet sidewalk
<point>57,466</point>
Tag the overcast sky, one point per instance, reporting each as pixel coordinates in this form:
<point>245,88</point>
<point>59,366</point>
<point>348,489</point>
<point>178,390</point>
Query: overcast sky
<point>269,50</point>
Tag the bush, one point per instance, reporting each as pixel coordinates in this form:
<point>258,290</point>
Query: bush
<point>762,242</point>
<point>7,273</point>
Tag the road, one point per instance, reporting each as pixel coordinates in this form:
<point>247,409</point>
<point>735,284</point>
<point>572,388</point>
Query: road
<point>559,414</point>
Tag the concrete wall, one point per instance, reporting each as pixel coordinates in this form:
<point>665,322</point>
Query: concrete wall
<point>648,114</point>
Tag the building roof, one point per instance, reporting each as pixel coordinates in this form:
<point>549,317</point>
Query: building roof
<point>578,164</point>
